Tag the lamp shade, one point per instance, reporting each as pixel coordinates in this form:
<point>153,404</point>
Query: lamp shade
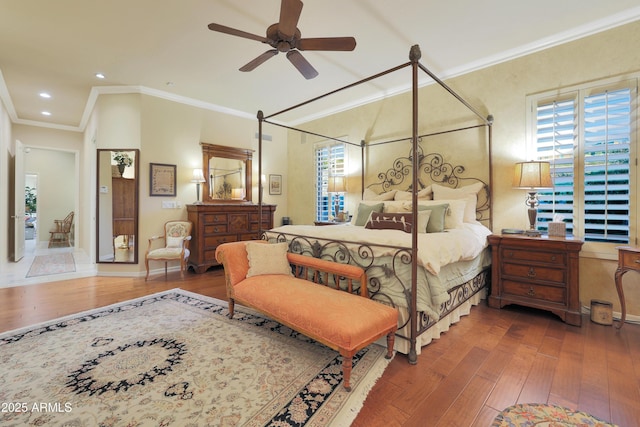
<point>532,175</point>
<point>336,184</point>
<point>197,176</point>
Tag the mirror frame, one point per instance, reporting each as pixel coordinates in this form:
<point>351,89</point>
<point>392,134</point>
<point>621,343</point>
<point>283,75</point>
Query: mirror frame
<point>210,151</point>
<point>136,171</point>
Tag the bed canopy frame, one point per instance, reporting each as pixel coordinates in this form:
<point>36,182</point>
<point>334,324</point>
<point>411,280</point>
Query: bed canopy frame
<point>415,157</point>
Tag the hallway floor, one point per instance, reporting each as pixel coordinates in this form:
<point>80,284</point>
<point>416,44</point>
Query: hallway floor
<point>15,273</point>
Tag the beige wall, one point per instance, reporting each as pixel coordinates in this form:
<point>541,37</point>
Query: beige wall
<point>499,90</point>
<point>170,133</point>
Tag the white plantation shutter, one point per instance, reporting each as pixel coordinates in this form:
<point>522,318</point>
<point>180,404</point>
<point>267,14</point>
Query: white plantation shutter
<point>586,135</point>
<point>329,161</point>
<point>607,134</point>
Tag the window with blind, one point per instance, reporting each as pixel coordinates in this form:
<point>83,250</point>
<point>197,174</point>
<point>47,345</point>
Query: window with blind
<point>330,160</point>
<point>587,135</point>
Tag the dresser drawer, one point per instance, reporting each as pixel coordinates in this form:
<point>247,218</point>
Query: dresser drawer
<point>530,272</point>
<point>550,258</point>
<point>535,292</point>
<point>630,260</point>
<point>214,218</point>
<point>214,241</point>
<point>215,229</point>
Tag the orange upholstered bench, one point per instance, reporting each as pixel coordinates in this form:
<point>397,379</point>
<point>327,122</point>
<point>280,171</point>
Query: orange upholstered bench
<point>289,288</point>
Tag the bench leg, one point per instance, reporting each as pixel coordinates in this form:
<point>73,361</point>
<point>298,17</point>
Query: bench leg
<point>347,364</point>
<point>232,304</point>
<point>391,339</point>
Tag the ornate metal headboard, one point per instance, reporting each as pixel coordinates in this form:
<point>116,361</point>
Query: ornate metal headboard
<point>432,168</point>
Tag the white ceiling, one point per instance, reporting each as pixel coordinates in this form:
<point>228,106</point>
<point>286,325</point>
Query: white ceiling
<point>164,48</point>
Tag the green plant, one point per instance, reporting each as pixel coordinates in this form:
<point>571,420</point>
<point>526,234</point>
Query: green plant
<point>122,158</point>
<point>30,199</point>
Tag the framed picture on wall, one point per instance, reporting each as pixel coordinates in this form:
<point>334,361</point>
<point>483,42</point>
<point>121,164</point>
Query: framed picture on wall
<point>162,180</point>
<point>275,184</point>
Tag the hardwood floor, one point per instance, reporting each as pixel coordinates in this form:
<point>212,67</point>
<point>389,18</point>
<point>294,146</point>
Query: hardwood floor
<point>488,361</point>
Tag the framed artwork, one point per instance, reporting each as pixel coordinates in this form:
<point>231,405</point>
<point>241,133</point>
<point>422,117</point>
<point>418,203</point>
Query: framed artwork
<point>162,180</point>
<point>275,184</point>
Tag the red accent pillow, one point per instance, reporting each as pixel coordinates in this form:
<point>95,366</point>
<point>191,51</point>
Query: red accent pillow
<point>390,221</point>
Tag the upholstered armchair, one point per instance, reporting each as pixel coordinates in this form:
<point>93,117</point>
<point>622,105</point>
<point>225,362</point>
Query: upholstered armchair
<point>177,235</point>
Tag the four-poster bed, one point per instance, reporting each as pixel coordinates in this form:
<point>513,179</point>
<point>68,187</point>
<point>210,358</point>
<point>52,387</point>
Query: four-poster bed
<point>432,278</point>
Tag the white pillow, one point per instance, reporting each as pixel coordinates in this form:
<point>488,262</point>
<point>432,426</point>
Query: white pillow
<point>268,258</point>
<point>469,193</point>
<point>369,194</point>
<point>455,213</point>
<point>425,193</point>
<point>174,242</point>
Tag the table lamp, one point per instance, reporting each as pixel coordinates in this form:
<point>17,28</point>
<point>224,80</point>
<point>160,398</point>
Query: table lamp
<point>197,177</point>
<point>336,185</point>
<point>532,176</point>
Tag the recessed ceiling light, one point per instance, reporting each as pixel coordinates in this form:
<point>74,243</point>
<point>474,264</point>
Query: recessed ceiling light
<point>100,75</point>
<point>45,95</point>
<point>46,113</point>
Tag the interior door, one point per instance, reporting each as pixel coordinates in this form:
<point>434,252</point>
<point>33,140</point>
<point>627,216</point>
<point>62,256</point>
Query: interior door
<point>18,215</point>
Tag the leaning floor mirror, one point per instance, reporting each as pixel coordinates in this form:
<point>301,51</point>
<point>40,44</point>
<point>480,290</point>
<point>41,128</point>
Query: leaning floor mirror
<point>117,206</point>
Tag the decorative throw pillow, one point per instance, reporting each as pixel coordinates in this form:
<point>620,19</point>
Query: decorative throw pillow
<point>390,221</point>
<point>437,215</point>
<point>365,210</point>
<point>268,259</point>
<point>174,242</point>
<point>454,216</point>
<point>469,193</point>
<point>398,221</point>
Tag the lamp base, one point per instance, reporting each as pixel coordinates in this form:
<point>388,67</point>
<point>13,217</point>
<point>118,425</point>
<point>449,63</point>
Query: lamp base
<point>532,233</point>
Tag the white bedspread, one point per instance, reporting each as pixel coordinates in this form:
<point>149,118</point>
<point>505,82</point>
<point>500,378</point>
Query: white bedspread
<point>435,250</point>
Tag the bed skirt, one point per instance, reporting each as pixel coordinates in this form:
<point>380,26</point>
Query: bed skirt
<point>461,299</point>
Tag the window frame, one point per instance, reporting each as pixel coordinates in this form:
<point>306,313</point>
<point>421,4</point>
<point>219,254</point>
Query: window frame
<point>328,144</point>
<point>579,92</point>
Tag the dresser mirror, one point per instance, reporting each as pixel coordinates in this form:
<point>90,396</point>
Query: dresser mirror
<point>117,206</point>
<point>227,172</point>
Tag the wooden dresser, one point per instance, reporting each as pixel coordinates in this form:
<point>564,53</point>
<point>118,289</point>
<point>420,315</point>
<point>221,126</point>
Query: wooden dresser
<point>124,209</point>
<point>214,224</point>
<point>538,272</point>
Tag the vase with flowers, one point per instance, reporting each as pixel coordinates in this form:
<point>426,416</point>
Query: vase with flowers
<point>122,160</point>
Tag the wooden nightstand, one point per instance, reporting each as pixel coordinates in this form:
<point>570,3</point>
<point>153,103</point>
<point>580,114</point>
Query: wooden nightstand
<point>538,272</point>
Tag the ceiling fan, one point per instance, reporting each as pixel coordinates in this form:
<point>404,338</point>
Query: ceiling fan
<point>284,36</point>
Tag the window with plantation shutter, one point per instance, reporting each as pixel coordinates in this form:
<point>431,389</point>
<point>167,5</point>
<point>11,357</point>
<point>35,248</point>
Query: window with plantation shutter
<point>329,162</point>
<point>587,135</point>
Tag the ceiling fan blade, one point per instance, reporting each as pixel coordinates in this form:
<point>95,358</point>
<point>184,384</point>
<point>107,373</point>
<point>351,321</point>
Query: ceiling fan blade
<point>289,15</point>
<point>327,43</point>
<point>259,60</point>
<point>301,64</point>
<point>232,31</point>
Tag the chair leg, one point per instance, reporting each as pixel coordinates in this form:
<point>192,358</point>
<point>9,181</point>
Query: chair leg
<point>146,264</point>
<point>165,269</point>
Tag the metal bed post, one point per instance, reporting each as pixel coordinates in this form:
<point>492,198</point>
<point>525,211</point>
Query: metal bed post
<point>414,57</point>
<point>260,120</point>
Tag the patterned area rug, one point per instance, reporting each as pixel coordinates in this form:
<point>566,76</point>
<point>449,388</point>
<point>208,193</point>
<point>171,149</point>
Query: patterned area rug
<point>175,359</point>
<point>525,415</point>
<point>44,265</point>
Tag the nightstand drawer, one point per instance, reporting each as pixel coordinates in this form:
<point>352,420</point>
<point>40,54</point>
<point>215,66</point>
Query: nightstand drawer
<point>214,218</point>
<point>529,272</point>
<point>538,292</point>
<point>551,258</point>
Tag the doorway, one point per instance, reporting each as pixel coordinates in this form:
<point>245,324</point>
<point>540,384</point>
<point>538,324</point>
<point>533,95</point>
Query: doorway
<point>31,212</point>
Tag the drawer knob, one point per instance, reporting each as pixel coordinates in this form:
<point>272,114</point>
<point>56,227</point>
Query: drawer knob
<point>553,257</point>
<point>510,254</point>
<point>532,272</point>
<point>531,292</point>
